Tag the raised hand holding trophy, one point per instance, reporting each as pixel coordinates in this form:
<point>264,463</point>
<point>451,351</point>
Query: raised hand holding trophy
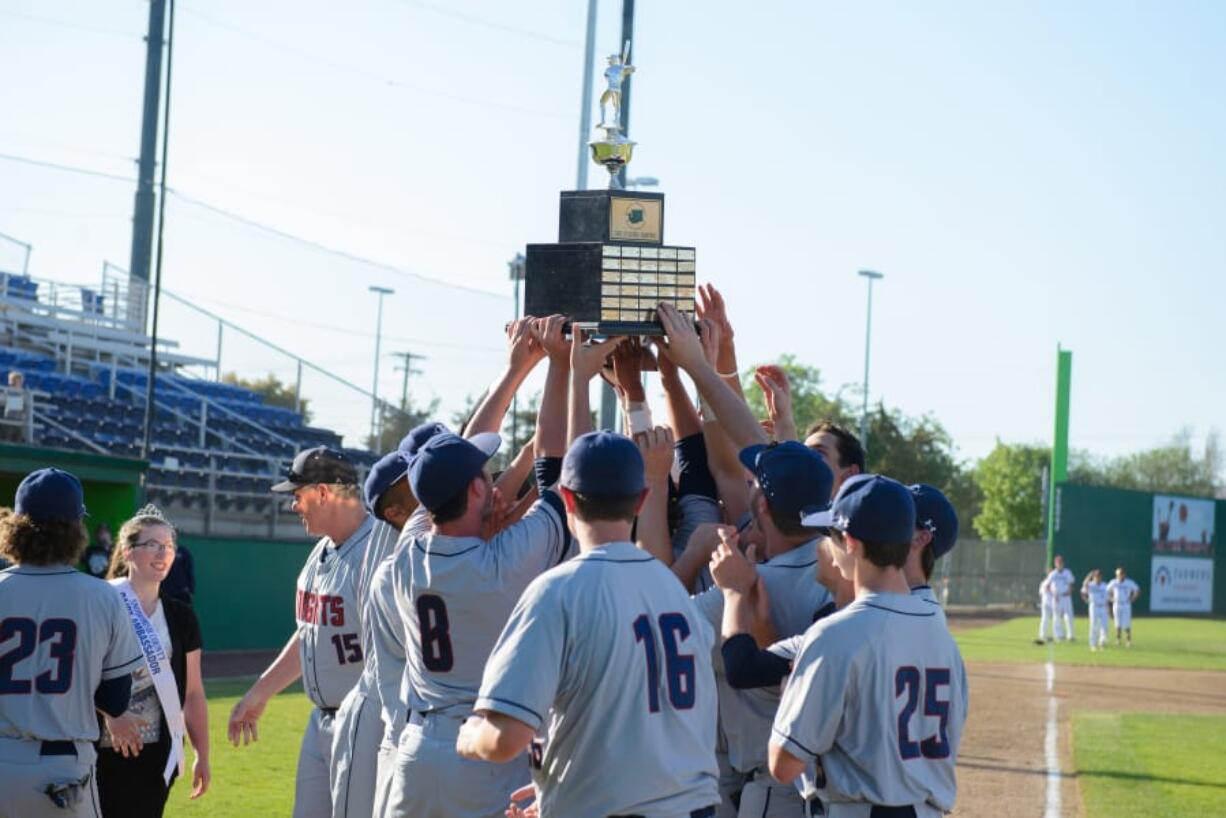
<point>610,270</point>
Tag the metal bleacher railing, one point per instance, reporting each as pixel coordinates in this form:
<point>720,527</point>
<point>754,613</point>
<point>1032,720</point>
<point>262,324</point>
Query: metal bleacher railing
<point>216,447</point>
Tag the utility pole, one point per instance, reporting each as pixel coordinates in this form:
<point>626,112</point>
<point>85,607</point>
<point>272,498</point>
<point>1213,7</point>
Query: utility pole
<point>408,369</point>
<point>374,389</point>
<point>868,334</point>
<point>608,399</point>
<point>585,106</point>
<point>143,212</point>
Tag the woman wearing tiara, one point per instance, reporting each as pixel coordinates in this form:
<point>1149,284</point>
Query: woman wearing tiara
<point>141,752</point>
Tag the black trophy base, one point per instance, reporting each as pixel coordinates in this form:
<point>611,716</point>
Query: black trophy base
<point>614,288</point>
<point>611,215</point>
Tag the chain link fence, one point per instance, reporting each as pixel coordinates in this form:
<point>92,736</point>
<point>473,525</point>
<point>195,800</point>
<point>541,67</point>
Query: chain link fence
<point>988,573</point>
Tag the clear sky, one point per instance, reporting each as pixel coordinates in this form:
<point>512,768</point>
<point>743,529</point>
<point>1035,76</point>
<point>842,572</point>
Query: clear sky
<point>1023,174</point>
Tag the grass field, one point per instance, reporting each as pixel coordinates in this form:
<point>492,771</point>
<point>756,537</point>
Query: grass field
<point>1186,644</point>
<point>1150,766</point>
<point>256,780</point>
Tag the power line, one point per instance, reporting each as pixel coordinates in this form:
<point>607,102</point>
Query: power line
<point>42,163</point>
<point>330,250</point>
<point>259,226</point>
<point>472,19</point>
<point>323,59</point>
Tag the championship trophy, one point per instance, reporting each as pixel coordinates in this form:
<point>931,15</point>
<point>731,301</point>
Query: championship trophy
<point>610,269</point>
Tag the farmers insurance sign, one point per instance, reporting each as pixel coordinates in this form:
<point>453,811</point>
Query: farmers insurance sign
<point>1182,568</point>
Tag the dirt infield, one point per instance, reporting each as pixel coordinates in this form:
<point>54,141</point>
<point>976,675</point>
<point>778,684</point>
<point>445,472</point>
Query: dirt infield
<point>1001,766</point>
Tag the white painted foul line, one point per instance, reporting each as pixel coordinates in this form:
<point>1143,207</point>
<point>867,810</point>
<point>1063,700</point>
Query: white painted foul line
<point>1051,748</point>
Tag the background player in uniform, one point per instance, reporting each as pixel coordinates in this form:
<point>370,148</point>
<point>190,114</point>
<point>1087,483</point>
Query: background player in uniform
<point>1062,581</point>
<point>607,654</point>
<point>878,696</point>
<point>1094,592</point>
<point>1122,592</point>
<point>936,533</point>
<point>358,728</point>
<point>326,648</point>
<point>1049,625</point>
<point>66,648</point>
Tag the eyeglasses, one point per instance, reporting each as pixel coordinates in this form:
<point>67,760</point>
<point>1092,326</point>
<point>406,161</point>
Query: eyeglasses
<point>156,547</point>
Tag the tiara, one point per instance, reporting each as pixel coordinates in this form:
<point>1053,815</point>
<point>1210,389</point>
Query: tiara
<point>151,512</point>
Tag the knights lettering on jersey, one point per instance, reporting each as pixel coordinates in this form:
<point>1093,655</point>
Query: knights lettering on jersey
<point>321,609</point>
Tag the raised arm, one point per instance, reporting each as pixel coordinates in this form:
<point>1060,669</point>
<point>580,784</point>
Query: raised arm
<point>551,419</point>
<point>585,361</point>
<point>651,531</point>
<point>773,382</point>
<point>682,415</point>
<point>685,350</point>
<point>523,354</point>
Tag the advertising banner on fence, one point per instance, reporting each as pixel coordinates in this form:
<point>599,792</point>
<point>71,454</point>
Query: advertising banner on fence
<point>1183,537</point>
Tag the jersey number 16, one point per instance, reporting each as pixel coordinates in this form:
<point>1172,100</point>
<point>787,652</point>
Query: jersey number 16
<point>679,667</point>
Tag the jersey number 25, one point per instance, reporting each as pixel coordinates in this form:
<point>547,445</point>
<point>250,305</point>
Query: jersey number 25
<point>907,680</point>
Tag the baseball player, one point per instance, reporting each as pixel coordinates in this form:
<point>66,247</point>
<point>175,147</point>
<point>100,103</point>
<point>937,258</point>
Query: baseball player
<point>66,648</point>
<point>609,657</point>
<point>878,695</point>
<point>1094,593</point>
<point>936,533</point>
<point>326,648</point>
<point>789,479</point>
<point>455,589</point>
<point>358,728</point>
<point>1062,581</point>
<point>1122,592</point>
<point>1048,622</point>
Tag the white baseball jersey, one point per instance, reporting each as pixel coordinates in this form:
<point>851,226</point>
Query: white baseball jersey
<point>388,636</point>
<point>1097,593</point>
<point>608,653</point>
<point>382,542</point>
<point>1047,592</point>
<point>455,594</point>
<point>796,599</point>
<point>1062,582</point>
<point>329,616</point>
<point>879,695</point>
<point>1121,593</point>
<point>61,633</point>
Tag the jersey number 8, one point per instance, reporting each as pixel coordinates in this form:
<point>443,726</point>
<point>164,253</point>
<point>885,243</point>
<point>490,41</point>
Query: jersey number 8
<point>435,628</point>
<point>907,680</point>
<point>30,635</point>
<point>679,667</point>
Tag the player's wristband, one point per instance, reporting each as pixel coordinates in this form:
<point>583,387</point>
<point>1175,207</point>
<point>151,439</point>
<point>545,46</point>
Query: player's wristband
<point>639,415</point>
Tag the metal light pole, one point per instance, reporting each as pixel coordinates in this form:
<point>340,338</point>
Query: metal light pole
<point>868,334</point>
<point>374,389</point>
<point>516,270</point>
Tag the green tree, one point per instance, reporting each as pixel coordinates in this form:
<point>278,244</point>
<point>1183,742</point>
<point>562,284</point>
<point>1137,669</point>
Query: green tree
<point>919,450</point>
<point>1011,481</point>
<point>396,423</point>
<point>274,391</point>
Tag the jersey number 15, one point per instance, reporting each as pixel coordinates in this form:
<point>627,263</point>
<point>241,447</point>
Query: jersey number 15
<point>907,681</point>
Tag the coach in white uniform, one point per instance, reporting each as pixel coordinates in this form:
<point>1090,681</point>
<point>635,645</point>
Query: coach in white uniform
<point>1062,581</point>
<point>326,649</point>
<point>66,648</point>
<point>606,654</point>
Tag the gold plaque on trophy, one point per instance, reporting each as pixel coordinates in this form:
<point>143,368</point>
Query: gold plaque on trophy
<point>636,219</point>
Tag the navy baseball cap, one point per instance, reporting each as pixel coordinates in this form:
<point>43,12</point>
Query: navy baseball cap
<point>603,464</point>
<point>445,465</point>
<point>417,438</point>
<point>871,508</point>
<point>318,465</point>
<point>934,512</point>
<point>382,476</point>
<point>793,477</point>
<point>50,495</point>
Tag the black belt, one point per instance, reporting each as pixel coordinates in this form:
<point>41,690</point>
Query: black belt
<point>328,711</point>
<point>814,807</point>
<point>705,812</point>
<point>892,812</point>
<point>58,748</point>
